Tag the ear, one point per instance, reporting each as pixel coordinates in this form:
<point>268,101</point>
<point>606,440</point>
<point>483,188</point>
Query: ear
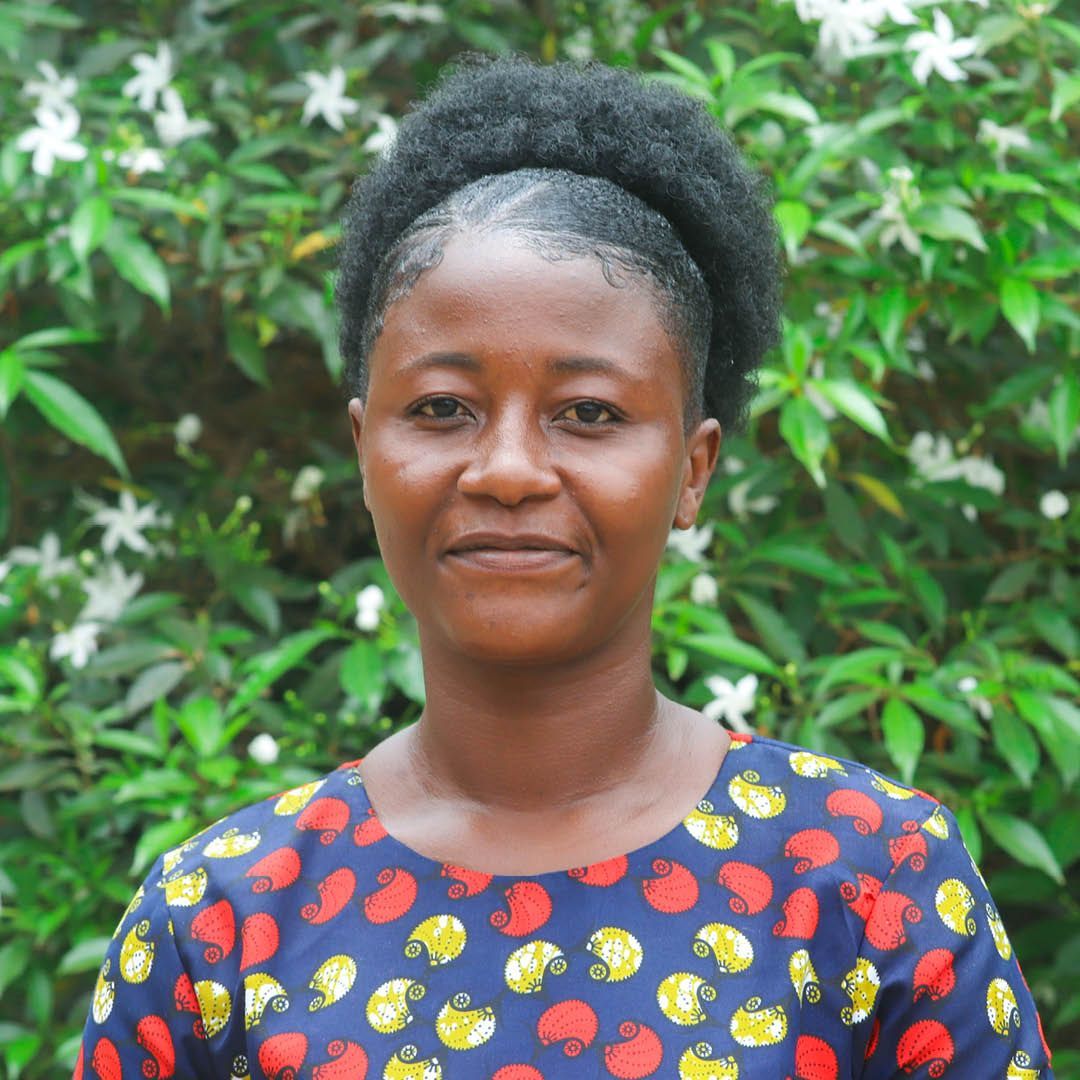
<point>702,451</point>
<point>356,420</point>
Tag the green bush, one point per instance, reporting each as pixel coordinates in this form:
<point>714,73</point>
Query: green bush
<point>192,611</point>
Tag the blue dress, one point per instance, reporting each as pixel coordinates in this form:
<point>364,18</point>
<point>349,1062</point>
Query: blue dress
<point>810,919</point>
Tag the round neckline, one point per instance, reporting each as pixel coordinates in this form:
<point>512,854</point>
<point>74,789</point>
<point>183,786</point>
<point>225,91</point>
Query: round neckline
<point>636,854</point>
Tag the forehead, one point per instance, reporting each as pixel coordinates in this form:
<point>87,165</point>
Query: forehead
<point>492,295</point>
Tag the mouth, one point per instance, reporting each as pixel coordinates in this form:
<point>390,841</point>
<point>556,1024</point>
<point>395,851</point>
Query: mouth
<point>510,553</point>
<point>511,560</point>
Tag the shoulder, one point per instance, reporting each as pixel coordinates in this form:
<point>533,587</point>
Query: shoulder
<point>268,839</point>
<point>871,802</point>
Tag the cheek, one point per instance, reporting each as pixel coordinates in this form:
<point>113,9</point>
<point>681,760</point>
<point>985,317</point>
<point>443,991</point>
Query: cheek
<point>631,500</point>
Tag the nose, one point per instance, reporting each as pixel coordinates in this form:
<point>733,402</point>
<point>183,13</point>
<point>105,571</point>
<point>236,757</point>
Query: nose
<point>510,461</point>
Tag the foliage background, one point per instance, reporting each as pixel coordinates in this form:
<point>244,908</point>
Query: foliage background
<point>884,569</point>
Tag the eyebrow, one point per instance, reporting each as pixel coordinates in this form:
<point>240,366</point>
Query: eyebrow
<point>561,365</point>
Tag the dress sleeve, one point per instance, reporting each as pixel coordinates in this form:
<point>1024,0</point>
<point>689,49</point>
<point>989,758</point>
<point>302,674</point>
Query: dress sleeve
<point>952,998</point>
<point>145,1017</point>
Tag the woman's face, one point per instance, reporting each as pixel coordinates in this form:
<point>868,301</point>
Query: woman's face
<point>523,452</point>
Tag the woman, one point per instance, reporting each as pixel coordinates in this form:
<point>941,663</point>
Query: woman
<point>555,290</point>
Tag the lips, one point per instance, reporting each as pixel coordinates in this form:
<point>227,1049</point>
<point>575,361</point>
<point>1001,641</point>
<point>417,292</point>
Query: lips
<point>509,542</point>
<point>511,553</point>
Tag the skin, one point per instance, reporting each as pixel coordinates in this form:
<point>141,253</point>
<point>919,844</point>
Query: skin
<point>509,393</point>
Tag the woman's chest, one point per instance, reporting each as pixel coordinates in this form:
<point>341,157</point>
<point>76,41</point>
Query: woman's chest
<point>663,972</point>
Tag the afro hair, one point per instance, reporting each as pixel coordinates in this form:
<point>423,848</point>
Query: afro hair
<point>491,116</point>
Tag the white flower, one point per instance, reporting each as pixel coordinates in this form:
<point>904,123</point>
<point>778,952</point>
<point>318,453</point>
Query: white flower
<point>382,138</point>
<point>898,11</point>
<point>109,593</point>
<point>78,644</point>
<point>47,558</point>
<point>931,457</point>
<point>188,429</point>
<point>981,472</point>
<point>144,160</point>
<point>980,704</point>
<point>264,749</point>
<point>54,137</point>
<point>898,200</point>
<point>124,524</point>
<point>925,370</point>
<point>741,506</point>
<point>51,90</point>
<point>704,590</point>
<point>327,98</point>
<point>895,225</point>
<point>834,319</point>
<point>173,125</point>
<point>938,50</point>
<point>307,483</point>
<point>691,543</point>
<point>369,603</point>
<point>154,73</point>
<point>1053,504</point>
<point>730,702</point>
<point>1002,139</point>
<point>846,25</point>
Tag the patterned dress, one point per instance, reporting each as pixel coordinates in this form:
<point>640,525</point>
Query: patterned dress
<point>809,919</point>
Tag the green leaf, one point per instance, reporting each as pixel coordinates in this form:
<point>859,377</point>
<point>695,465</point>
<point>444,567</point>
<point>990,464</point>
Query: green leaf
<point>927,698</point>
<point>855,666</point>
<point>1069,212</point>
<point>89,225</point>
<point>55,335</point>
<point>11,379</point>
<point>14,956</point>
<point>904,736</point>
<point>406,672</point>
<point>245,351</point>
<point>1021,387</point>
<point>686,68</point>
<point>1014,182</point>
<point>942,221</point>
<point>1066,94</point>
<point>200,722</point>
<point>1063,408</point>
<point>363,674</point>
<point>776,633</point>
<point>855,404</point>
<point>154,683</point>
<point>931,596</point>
<point>888,312</point>
<point>1023,842</point>
<point>804,557</point>
<point>853,703</point>
<point>139,265</point>
<point>1019,749</point>
<point>790,106</point>
<point>1020,305</point>
<point>1050,265</point>
<point>152,199</point>
<point>70,413</point>
<point>794,219</point>
<point>127,742</point>
<point>161,837</point>
<point>87,955</point>
<point>806,432</point>
<point>266,668</point>
<point>732,651</point>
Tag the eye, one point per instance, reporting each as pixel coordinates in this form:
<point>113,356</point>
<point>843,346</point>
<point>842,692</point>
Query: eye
<point>591,413</point>
<point>437,408</point>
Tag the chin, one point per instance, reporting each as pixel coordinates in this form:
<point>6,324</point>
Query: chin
<point>533,643</point>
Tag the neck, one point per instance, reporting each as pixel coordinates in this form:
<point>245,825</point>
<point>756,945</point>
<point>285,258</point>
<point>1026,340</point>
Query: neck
<point>529,737</point>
